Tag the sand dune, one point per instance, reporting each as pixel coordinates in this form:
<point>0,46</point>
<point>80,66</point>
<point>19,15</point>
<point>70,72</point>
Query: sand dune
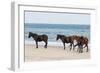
<point>52,53</point>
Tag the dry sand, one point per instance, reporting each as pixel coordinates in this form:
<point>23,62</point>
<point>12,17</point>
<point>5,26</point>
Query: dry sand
<point>52,53</point>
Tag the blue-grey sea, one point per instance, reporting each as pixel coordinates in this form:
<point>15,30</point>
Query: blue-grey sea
<point>53,29</point>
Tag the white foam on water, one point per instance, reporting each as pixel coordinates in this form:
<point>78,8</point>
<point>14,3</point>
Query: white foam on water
<point>42,43</point>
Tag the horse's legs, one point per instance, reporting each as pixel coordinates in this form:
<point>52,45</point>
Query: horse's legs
<point>70,46</point>
<point>86,45</point>
<point>36,44</point>
<point>87,48</point>
<point>75,46</point>
<point>80,48</point>
<point>64,45</point>
<point>45,44</point>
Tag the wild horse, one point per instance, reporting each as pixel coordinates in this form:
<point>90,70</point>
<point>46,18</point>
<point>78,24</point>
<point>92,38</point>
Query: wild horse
<point>65,39</point>
<point>81,40</point>
<point>39,38</point>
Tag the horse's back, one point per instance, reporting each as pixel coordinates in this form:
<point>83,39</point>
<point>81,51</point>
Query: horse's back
<point>86,39</point>
<point>44,37</point>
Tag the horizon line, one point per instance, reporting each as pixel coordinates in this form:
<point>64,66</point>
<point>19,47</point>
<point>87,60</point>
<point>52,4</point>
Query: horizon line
<point>56,23</point>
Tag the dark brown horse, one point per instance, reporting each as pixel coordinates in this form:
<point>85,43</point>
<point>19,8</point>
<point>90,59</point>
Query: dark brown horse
<point>81,39</point>
<point>39,38</point>
<point>65,39</point>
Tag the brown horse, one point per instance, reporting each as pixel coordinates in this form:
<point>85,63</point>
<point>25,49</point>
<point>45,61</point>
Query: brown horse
<point>81,39</point>
<point>65,39</point>
<point>39,38</point>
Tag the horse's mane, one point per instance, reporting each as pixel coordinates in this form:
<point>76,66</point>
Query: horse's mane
<point>33,33</point>
<point>61,35</point>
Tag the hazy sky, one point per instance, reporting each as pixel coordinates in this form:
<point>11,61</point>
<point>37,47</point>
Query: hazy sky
<point>56,18</point>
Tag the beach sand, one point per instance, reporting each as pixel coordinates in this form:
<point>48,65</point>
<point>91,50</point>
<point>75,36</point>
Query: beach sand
<point>52,53</point>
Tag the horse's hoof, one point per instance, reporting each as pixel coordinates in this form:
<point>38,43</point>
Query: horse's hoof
<point>45,47</point>
<point>81,51</point>
<point>87,51</point>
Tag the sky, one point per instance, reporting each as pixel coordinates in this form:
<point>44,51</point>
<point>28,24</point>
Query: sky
<point>56,18</point>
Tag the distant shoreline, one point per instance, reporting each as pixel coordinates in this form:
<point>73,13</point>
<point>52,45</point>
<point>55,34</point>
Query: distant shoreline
<point>56,24</point>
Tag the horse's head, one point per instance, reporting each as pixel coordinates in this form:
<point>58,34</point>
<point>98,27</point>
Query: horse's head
<point>30,34</point>
<point>58,36</point>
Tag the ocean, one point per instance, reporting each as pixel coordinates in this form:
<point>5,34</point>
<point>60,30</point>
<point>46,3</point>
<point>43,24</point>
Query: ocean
<point>53,29</point>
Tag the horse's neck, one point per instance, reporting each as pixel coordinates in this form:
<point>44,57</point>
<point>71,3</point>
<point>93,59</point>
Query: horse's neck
<point>34,36</point>
<point>62,39</point>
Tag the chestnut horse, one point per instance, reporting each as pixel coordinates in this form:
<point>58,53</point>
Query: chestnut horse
<point>81,39</point>
<point>39,38</point>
